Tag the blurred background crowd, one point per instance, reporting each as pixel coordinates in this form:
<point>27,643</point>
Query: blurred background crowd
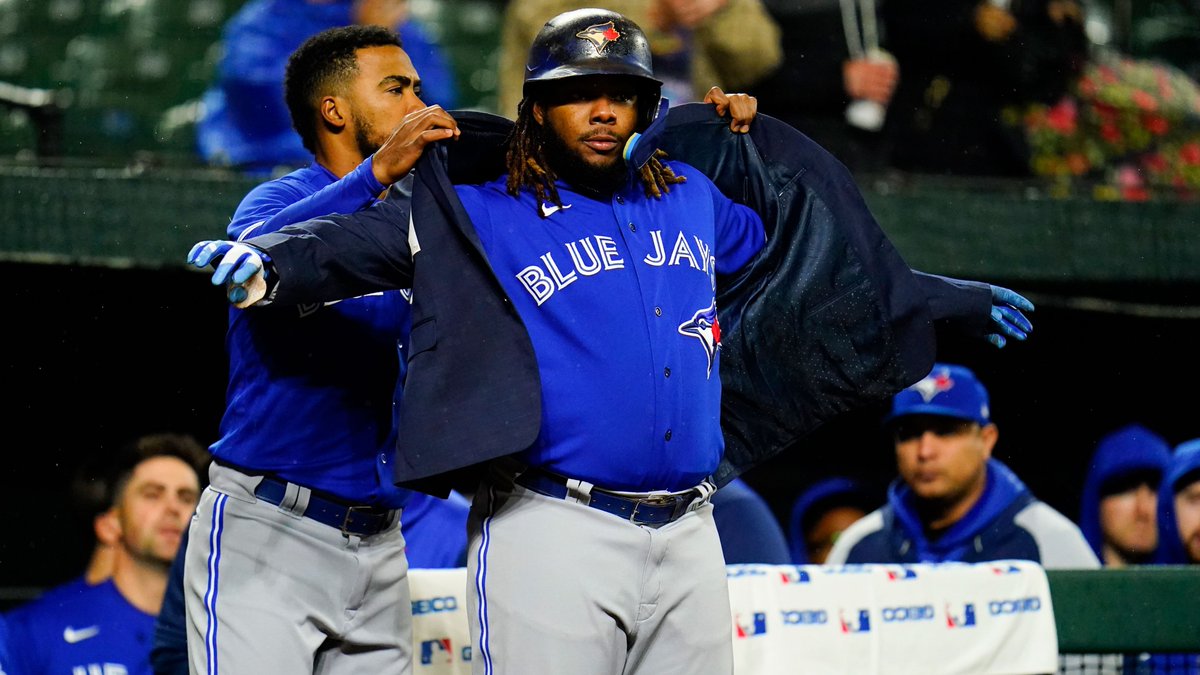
<point>1097,96</point>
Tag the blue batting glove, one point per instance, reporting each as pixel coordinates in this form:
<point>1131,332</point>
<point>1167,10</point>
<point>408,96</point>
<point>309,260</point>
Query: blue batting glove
<point>241,269</point>
<point>1008,317</point>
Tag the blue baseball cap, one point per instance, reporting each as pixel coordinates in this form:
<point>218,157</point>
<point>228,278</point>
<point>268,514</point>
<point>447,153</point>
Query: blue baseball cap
<point>949,391</point>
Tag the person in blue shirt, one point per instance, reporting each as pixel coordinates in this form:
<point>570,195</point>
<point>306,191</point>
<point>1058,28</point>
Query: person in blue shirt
<point>747,528</point>
<point>81,627</point>
<point>434,537</point>
<point>246,122</point>
<point>953,501</point>
<point>296,559</point>
<point>1119,506</point>
<point>1179,507</point>
<point>822,512</point>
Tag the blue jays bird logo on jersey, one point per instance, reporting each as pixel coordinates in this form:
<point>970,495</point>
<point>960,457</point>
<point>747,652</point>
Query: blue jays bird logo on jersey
<point>933,384</point>
<point>704,327</point>
<point>600,35</point>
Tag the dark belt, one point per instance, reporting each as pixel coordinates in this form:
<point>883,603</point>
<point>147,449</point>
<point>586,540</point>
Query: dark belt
<point>649,509</point>
<point>351,519</point>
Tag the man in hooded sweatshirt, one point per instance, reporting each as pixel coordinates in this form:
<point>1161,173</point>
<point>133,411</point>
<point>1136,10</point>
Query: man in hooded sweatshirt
<point>1120,496</point>
<point>953,501</point>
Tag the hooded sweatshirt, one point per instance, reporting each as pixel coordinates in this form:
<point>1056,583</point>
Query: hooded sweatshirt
<point>1007,523</point>
<point>1130,449</point>
<point>1184,462</point>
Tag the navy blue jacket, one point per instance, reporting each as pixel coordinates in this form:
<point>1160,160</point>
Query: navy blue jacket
<point>825,319</point>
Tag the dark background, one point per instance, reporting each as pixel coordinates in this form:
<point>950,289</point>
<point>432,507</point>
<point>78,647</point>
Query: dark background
<point>98,356</point>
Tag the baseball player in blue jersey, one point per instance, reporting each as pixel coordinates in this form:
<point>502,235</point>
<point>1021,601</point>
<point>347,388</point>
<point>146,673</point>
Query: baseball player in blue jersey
<point>107,627</point>
<point>296,562</point>
<point>589,271</point>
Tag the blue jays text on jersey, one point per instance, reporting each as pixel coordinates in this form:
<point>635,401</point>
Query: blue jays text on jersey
<point>618,296</point>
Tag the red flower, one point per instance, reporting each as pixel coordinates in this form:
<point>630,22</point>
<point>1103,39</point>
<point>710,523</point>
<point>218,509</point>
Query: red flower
<point>1062,116</point>
<point>1144,101</point>
<point>1135,194</point>
<point>1190,153</point>
<point>1087,86</point>
<point>1156,163</point>
<point>1077,163</point>
<point>1110,132</point>
<point>1155,124</point>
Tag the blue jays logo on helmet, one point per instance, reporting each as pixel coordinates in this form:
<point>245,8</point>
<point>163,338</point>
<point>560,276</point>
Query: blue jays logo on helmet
<point>704,327</point>
<point>600,35</point>
<point>933,384</point>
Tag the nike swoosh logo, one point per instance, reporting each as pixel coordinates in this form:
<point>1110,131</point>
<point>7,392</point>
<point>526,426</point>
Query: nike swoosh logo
<point>548,210</point>
<point>72,635</point>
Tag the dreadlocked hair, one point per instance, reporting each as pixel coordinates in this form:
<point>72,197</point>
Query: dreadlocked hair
<point>527,165</point>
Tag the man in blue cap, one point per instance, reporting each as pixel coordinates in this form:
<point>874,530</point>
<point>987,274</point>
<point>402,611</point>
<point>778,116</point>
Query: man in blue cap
<point>1120,496</point>
<point>953,500</point>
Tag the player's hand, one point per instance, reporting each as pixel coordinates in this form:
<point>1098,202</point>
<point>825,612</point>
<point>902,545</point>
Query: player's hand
<point>242,269</point>
<point>741,108</point>
<point>1008,316</point>
<point>400,152</point>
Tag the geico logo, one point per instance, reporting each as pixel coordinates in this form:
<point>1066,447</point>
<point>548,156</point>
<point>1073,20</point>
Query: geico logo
<point>997,607</point>
<point>921,613</point>
<point>804,617</point>
<point>446,604</point>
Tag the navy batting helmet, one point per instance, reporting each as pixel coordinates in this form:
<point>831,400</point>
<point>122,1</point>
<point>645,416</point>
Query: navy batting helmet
<point>593,42</point>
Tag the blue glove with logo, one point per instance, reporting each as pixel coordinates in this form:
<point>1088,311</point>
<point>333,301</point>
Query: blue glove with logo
<point>1008,317</point>
<point>243,269</point>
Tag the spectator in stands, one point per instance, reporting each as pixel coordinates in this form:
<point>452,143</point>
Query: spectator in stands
<point>1120,496</point>
<point>1179,508</point>
<point>75,628</point>
<point>953,501</point>
<point>246,122</point>
<point>695,44</point>
<point>822,512</point>
<point>964,61</point>
<point>748,529</point>
<point>308,432</point>
<point>820,76</point>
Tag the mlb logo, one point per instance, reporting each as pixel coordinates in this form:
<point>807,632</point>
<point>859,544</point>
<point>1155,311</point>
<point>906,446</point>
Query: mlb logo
<point>756,626</point>
<point>794,575</point>
<point>901,574</point>
<point>857,624</point>
<point>964,620</point>
<point>436,651</point>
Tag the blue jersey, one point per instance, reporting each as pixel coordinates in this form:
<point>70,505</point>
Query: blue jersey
<point>77,628</point>
<point>619,300</point>
<point>312,388</point>
<point>435,531</point>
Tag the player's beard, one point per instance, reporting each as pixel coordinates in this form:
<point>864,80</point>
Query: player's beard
<point>364,135</point>
<point>569,165</point>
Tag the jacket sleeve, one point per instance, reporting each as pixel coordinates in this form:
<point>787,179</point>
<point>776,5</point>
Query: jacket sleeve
<point>960,304</point>
<point>342,256</point>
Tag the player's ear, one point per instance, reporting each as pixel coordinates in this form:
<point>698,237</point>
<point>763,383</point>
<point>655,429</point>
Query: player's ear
<point>333,111</point>
<point>539,113</point>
